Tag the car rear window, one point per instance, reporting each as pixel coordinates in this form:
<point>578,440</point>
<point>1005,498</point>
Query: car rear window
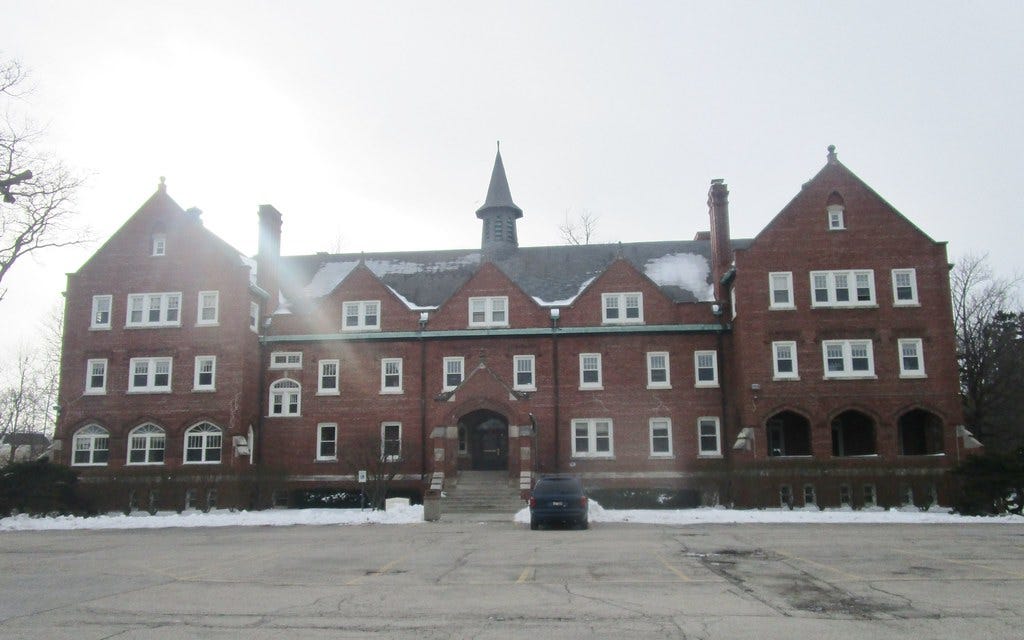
<point>557,486</point>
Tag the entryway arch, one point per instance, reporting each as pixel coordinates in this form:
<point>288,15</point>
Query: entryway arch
<point>484,434</point>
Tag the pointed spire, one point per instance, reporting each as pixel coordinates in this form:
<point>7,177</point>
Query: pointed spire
<point>498,194</point>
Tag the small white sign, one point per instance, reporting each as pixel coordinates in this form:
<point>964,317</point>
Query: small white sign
<point>362,475</point>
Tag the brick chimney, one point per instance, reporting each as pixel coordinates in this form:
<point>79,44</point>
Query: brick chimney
<point>269,254</point>
<point>721,249</point>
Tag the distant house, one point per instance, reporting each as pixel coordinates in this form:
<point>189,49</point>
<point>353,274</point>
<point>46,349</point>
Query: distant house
<point>19,447</point>
<point>813,364</point>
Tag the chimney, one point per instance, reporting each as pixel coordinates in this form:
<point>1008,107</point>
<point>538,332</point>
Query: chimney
<point>721,249</point>
<point>269,254</point>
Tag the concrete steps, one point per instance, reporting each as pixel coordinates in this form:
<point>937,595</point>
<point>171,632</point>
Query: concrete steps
<point>483,492</point>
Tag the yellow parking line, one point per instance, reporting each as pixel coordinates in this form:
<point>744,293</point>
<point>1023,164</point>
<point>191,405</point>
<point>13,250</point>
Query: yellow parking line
<point>378,572</point>
<point>850,576</point>
<point>527,575</point>
<point>682,576</point>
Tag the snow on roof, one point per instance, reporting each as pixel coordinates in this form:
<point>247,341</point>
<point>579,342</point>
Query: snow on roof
<point>408,303</point>
<point>284,306</point>
<point>328,277</point>
<point>567,301</point>
<point>687,271</point>
<point>251,263</point>
<point>382,268</point>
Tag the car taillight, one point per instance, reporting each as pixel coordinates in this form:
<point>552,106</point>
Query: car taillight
<point>533,502</point>
<point>583,501</point>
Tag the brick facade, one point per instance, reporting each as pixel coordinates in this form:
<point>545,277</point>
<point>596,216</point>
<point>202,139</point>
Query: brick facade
<point>747,436</point>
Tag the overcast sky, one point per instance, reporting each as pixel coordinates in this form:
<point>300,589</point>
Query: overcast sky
<point>372,126</point>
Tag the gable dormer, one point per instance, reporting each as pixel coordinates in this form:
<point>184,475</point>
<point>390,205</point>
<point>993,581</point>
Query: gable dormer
<point>499,214</point>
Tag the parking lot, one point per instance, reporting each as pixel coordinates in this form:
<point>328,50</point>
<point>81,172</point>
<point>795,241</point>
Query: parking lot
<point>481,578</point>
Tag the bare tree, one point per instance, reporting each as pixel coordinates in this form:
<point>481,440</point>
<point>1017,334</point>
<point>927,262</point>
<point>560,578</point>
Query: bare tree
<point>579,231</point>
<point>990,351</point>
<point>379,458</point>
<point>37,208</point>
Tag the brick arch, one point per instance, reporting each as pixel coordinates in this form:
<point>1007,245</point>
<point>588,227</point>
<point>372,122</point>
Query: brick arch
<point>854,432</point>
<point>779,408</point>
<point>923,406</point>
<point>788,435</point>
<point>853,406</point>
<point>482,403</point>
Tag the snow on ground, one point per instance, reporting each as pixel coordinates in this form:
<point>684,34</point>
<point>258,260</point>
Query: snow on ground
<point>414,514</point>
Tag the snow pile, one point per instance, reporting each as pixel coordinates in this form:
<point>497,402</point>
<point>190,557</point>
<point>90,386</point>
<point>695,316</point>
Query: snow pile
<point>220,518</point>
<point>721,515</point>
<point>688,271</point>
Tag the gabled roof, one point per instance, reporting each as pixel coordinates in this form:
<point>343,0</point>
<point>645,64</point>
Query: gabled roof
<point>552,276</point>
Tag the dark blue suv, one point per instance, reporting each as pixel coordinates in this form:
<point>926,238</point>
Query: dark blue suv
<point>558,499</point>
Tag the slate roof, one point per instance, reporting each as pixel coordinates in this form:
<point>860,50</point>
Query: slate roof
<point>553,276</point>
<point>498,194</point>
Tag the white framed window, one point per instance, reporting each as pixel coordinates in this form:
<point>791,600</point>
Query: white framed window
<point>784,362</point>
<point>154,310</point>
<point>870,495</point>
<point>254,317</point>
<point>657,370</point>
<point>836,221</point>
<point>705,367</point>
<point>205,378</point>
<point>391,375</point>
<point>391,441</point>
<point>622,308</point>
<point>208,308</point>
<point>780,284</point>
<point>592,438</point>
<point>149,375</point>
<point>101,310</point>
<point>454,372</point>
<point>203,444</point>
<point>286,360</point>
<point>327,384</point>
<point>911,358</point>
<point>848,358</point>
<point>490,311</point>
<point>146,444</point>
<point>327,441</point>
<point>96,376</point>
<point>524,372</point>
<point>158,245</point>
<point>661,437</point>
<point>785,496</point>
<point>843,288</point>
<point>709,436</point>
<point>91,445</point>
<point>285,398</point>
<point>904,287</point>
<point>810,496</point>
<point>590,371</point>
<point>360,315</point>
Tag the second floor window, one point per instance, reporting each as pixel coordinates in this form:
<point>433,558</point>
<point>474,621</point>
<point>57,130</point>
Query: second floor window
<point>657,370</point>
<point>91,446</point>
<point>150,375</point>
<point>848,358</point>
<point>592,438</point>
<point>391,375</point>
<point>904,287</point>
<point>705,364</point>
<point>101,306</point>
<point>661,437</point>
<point>843,288</point>
<point>361,315</point>
<point>327,441</point>
<point>590,371</point>
<point>784,360</point>
<point>491,311</point>
<point>207,307</point>
<point>524,371</point>
<point>206,373</point>
<point>453,372</point>
<point>96,376</point>
<point>154,310</point>
<point>622,308</point>
<point>328,384</point>
<point>911,358</point>
<point>781,283</point>
<point>146,445</point>
<point>391,441</point>
<point>286,360</point>
<point>285,398</point>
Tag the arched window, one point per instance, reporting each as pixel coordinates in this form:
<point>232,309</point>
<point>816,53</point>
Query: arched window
<point>835,208</point>
<point>285,398</point>
<point>91,446</point>
<point>146,445</point>
<point>202,443</point>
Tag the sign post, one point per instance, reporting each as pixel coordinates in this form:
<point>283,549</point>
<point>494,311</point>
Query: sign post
<point>362,490</point>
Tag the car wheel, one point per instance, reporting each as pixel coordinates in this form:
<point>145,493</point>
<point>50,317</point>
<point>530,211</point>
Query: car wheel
<point>583,524</point>
<point>533,524</point>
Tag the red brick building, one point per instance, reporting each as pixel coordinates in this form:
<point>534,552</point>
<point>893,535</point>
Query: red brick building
<point>812,364</point>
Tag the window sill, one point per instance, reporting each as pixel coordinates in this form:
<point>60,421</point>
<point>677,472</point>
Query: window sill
<point>207,324</point>
<point>360,329</point>
<point>661,456</point>
<point>323,460</point>
<point>94,393</point>
<point>284,415</point>
<point>866,377</point>
<point>488,326</point>
<point>780,307</point>
<point>592,388</point>
<point>613,323</point>
<point>866,305</point>
<point>786,379</point>
<point>710,456</point>
<point>530,388</point>
<point>106,328</point>
<point>913,376</point>
<point>176,325</point>
<point>328,393</point>
<point>577,456</point>
<point>706,385</point>
<point>88,464</point>
<point>143,464</point>
<point>146,391</point>
<point>907,303</point>
<point>659,386</point>
<point>203,389</point>
<point>391,392</point>
<point>201,462</point>
<point>791,457</point>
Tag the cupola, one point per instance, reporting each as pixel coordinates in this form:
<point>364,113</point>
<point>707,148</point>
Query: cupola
<point>499,214</point>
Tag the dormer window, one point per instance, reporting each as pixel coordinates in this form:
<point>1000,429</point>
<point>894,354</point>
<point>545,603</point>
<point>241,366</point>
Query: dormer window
<point>159,244</point>
<point>835,208</point>
<point>491,311</point>
<point>361,315</point>
<point>622,308</point>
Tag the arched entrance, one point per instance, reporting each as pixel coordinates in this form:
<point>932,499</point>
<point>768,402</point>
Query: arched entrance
<point>920,433</point>
<point>486,438</point>
<point>789,434</point>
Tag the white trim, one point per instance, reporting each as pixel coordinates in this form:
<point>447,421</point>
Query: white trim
<point>838,284</point>
<point>697,356</point>
<point>254,317</point>
<point>151,372</point>
<point>532,386</point>
<point>789,345</point>
<point>786,278</point>
<point>285,360</point>
<point>383,442</point>
<point>620,303</point>
<point>320,441</point>
<point>95,323</point>
<point>89,389</point>
<point>321,390</point>
<point>659,384</point>
<point>211,440</point>
<point>167,307</point>
<point>846,357</point>
<point>201,307</point>
<point>384,362</point>
<point>488,311</point>
<point>591,435</point>
<point>285,398</point>
<point>595,358</point>
<point>151,435</point>
<point>836,219</point>
<point>663,423</point>
<point>706,421</point>
<point>198,371</point>
<point>158,245</point>
<point>917,347</point>
<point>92,434</point>
<point>448,366</point>
<point>912,301</point>
<point>364,309</point>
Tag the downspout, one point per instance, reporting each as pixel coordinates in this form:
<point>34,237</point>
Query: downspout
<point>554,375</point>
<point>423,398</point>
<point>261,398</point>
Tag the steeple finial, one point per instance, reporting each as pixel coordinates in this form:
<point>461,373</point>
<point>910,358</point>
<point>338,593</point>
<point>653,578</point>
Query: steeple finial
<point>162,187</point>
<point>832,153</point>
